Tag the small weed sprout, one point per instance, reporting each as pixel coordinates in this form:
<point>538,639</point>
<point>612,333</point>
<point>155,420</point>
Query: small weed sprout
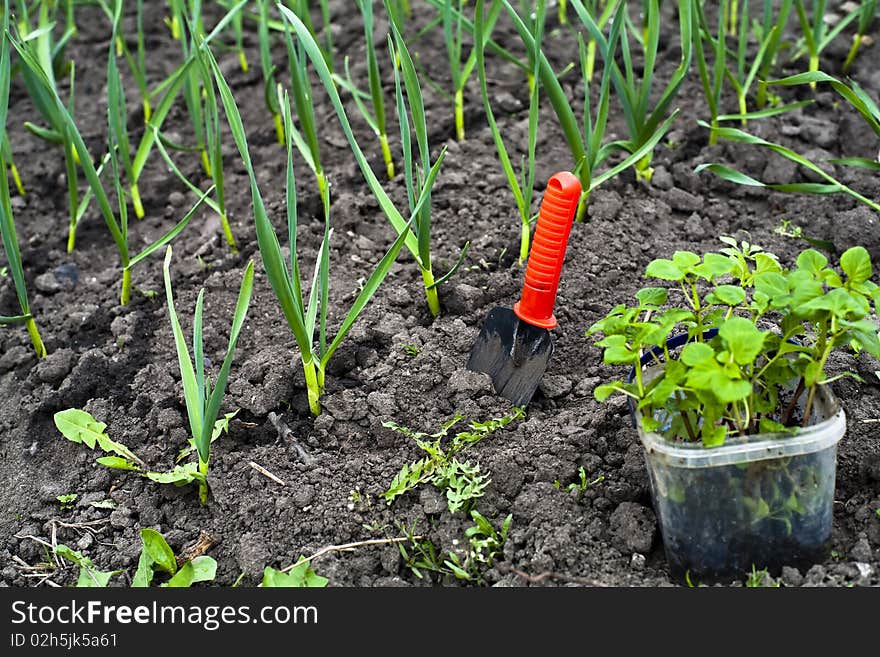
<point>67,501</point>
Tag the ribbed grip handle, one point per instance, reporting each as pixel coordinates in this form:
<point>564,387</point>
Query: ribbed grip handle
<point>548,251</point>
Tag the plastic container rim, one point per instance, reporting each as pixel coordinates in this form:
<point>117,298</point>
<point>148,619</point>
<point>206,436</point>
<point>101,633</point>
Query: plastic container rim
<point>757,447</point>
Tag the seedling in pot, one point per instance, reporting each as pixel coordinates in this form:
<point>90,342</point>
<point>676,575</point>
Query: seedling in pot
<point>514,346</point>
<point>8,234</point>
<point>733,382</point>
<point>739,427</point>
<point>203,402</point>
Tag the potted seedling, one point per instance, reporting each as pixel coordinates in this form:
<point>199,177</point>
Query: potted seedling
<point>729,391</point>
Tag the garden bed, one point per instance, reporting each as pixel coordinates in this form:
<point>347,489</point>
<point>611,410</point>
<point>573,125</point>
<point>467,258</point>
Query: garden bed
<point>119,362</point>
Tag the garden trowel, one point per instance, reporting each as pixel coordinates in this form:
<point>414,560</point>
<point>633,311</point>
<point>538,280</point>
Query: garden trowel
<point>514,346</point>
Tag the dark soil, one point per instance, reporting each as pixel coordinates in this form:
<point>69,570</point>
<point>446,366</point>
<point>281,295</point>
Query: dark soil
<point>119,364</point>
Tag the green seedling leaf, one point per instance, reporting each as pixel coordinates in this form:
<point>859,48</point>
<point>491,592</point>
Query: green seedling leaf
<point>104,504</point>
<point>300,576</point>
<point>695,353</point>
<point>180,475</point>
<point>728,295</point>
<point>117,463</point>
<point>200,569</point>
<point>742,338</point>
<point>812,261</point>
<point>856,264</point>
<point>664,269</point>
<point>89,576</point>
<point>652,296</point>
<point>158,550</point>
<point>80,427</point>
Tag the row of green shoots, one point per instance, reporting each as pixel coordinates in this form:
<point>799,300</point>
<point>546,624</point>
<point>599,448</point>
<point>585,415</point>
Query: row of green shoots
<point>617,55</point>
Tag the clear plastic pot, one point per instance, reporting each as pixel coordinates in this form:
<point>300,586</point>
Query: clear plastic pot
<point>764,500</point>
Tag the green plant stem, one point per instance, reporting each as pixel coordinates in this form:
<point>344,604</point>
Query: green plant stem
<point>136,201</point>
<point>591,59</point>
<point>227,232</point>
<point>851,55</point>
<point>206,163</point>
<point>313,388</point>
<point>524,242</point>
<point>36,340</point>
<point>686,420</point>
<point>789,410</point>
<point>125,294</point>
<point>761,96</point>
<point>386,155</point>
<point>459,115</point>
<point>279,128</point>
<point>203,483</point>
<point>71,238</point>
<point>431,292</point>
<point>563,12</point>
<point>814,66</point>
<point>713,132</point>
<point>741,99</point>
<point>16,179</point>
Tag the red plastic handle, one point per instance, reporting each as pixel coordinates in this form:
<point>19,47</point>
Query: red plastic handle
<point>548,251</point>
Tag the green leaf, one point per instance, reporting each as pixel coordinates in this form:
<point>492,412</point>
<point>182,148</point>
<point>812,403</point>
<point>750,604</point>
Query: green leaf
<point>774,285</point>
<point>766,425</point>
<point>604,391</point>
<point>742,338</point>
<point>713,266</point>
<point>89,576</point>
<point>200,569</point>
<point>729,295</point>
<point>652,296</point>
<point>79,427</point>
<point>713,435</point>
<point>117,463</point>
<point>695,353</point>
<point>856,264</point>
<point>300,576</point>
<point>812,261</point>
<point>685,260</point>
<point>664,269</point>
<point>180,475</point>
<point>143,576</point>
<point>161,555</point>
